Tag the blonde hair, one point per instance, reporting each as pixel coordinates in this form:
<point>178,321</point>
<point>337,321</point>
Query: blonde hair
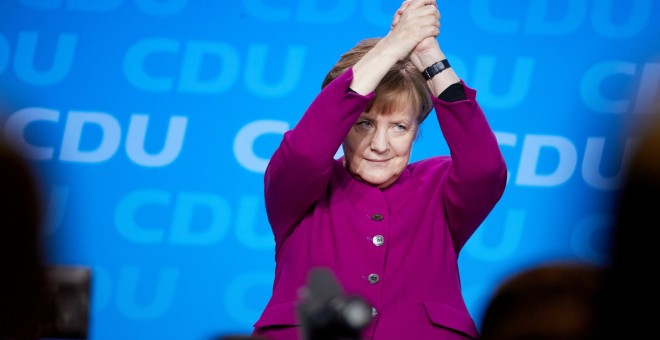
<point>402,85</point>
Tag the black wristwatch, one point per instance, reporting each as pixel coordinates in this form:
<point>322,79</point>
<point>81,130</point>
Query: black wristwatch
<point>436,68</point>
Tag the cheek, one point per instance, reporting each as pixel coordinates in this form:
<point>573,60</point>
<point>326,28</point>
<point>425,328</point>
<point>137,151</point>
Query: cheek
<point>403,147</point>
<point>353,143</point>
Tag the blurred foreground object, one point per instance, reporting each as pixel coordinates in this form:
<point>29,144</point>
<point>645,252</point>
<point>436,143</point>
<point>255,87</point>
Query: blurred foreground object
<point>36,300</point>
<point>326,313</point>
<point>630,279</point>
<point>23,287</point>
<point>69,289</point>
<point>551,302</point>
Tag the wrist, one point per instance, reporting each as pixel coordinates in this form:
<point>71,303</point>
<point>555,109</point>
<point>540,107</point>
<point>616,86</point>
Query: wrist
<point>425,59</point>
<point>435,69</point>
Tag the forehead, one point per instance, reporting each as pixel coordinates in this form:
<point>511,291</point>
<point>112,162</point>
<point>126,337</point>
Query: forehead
<point>392,107</point>
<point>405,114</point>
<point>395,102</point>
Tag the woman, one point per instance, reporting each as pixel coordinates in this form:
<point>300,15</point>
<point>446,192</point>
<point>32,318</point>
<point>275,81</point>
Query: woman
<point>390,231</point>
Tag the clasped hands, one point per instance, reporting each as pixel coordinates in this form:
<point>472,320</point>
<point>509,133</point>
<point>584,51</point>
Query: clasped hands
<point>414,30</point>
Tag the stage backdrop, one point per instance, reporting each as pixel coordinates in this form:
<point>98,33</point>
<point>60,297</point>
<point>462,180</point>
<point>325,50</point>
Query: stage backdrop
<point>151,123</point>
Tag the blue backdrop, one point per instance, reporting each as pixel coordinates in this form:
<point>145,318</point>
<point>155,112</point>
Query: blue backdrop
<point>151,123</point>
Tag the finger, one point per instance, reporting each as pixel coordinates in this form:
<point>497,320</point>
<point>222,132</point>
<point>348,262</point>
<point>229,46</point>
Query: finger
<point>427,13</point>
<point>404,5</point>
<point>422,3</point>
<point>399,13</point>
<point>395,20</point>
<point>430,31</point>
<point>425,10</point>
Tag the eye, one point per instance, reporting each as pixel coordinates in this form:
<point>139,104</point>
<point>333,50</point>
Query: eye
<point>400,127</point>
<point>365,124</point>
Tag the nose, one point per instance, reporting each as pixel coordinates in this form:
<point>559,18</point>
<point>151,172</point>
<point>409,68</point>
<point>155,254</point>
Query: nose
<point>380,141</point>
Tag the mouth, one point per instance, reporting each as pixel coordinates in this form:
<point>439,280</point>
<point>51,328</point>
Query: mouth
<point>377,160</point>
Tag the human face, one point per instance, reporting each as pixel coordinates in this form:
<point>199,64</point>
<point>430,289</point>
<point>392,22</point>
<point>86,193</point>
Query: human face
<point>377,148</point>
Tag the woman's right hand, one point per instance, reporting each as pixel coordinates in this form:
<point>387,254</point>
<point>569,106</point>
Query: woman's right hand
<point>419,20</point>
<point>415,26</point>
<point>427,51</point>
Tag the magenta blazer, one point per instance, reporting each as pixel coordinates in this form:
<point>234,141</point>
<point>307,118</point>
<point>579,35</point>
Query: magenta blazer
<point>398,247</point>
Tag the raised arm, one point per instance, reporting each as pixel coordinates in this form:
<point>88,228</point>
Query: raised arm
<point>478,173</point>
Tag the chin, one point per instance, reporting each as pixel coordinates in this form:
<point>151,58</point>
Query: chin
<point>380,182</point>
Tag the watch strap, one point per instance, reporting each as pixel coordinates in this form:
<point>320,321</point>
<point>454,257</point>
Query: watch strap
<point>436,68</point>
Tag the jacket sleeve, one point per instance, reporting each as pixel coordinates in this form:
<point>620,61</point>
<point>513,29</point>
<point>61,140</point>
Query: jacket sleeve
<point>478,174</point>
<point>300,168</point>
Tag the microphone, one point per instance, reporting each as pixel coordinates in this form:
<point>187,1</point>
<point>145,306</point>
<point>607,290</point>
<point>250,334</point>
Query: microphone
<point>326,313</point>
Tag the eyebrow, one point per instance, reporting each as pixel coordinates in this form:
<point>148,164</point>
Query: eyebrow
<point>401,121</point>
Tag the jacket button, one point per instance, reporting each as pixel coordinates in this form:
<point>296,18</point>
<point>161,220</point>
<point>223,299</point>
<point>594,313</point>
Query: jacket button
<point>374,312</point>
<point>373,278</point>
<point>378,240</point>
<point>377,217</point>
